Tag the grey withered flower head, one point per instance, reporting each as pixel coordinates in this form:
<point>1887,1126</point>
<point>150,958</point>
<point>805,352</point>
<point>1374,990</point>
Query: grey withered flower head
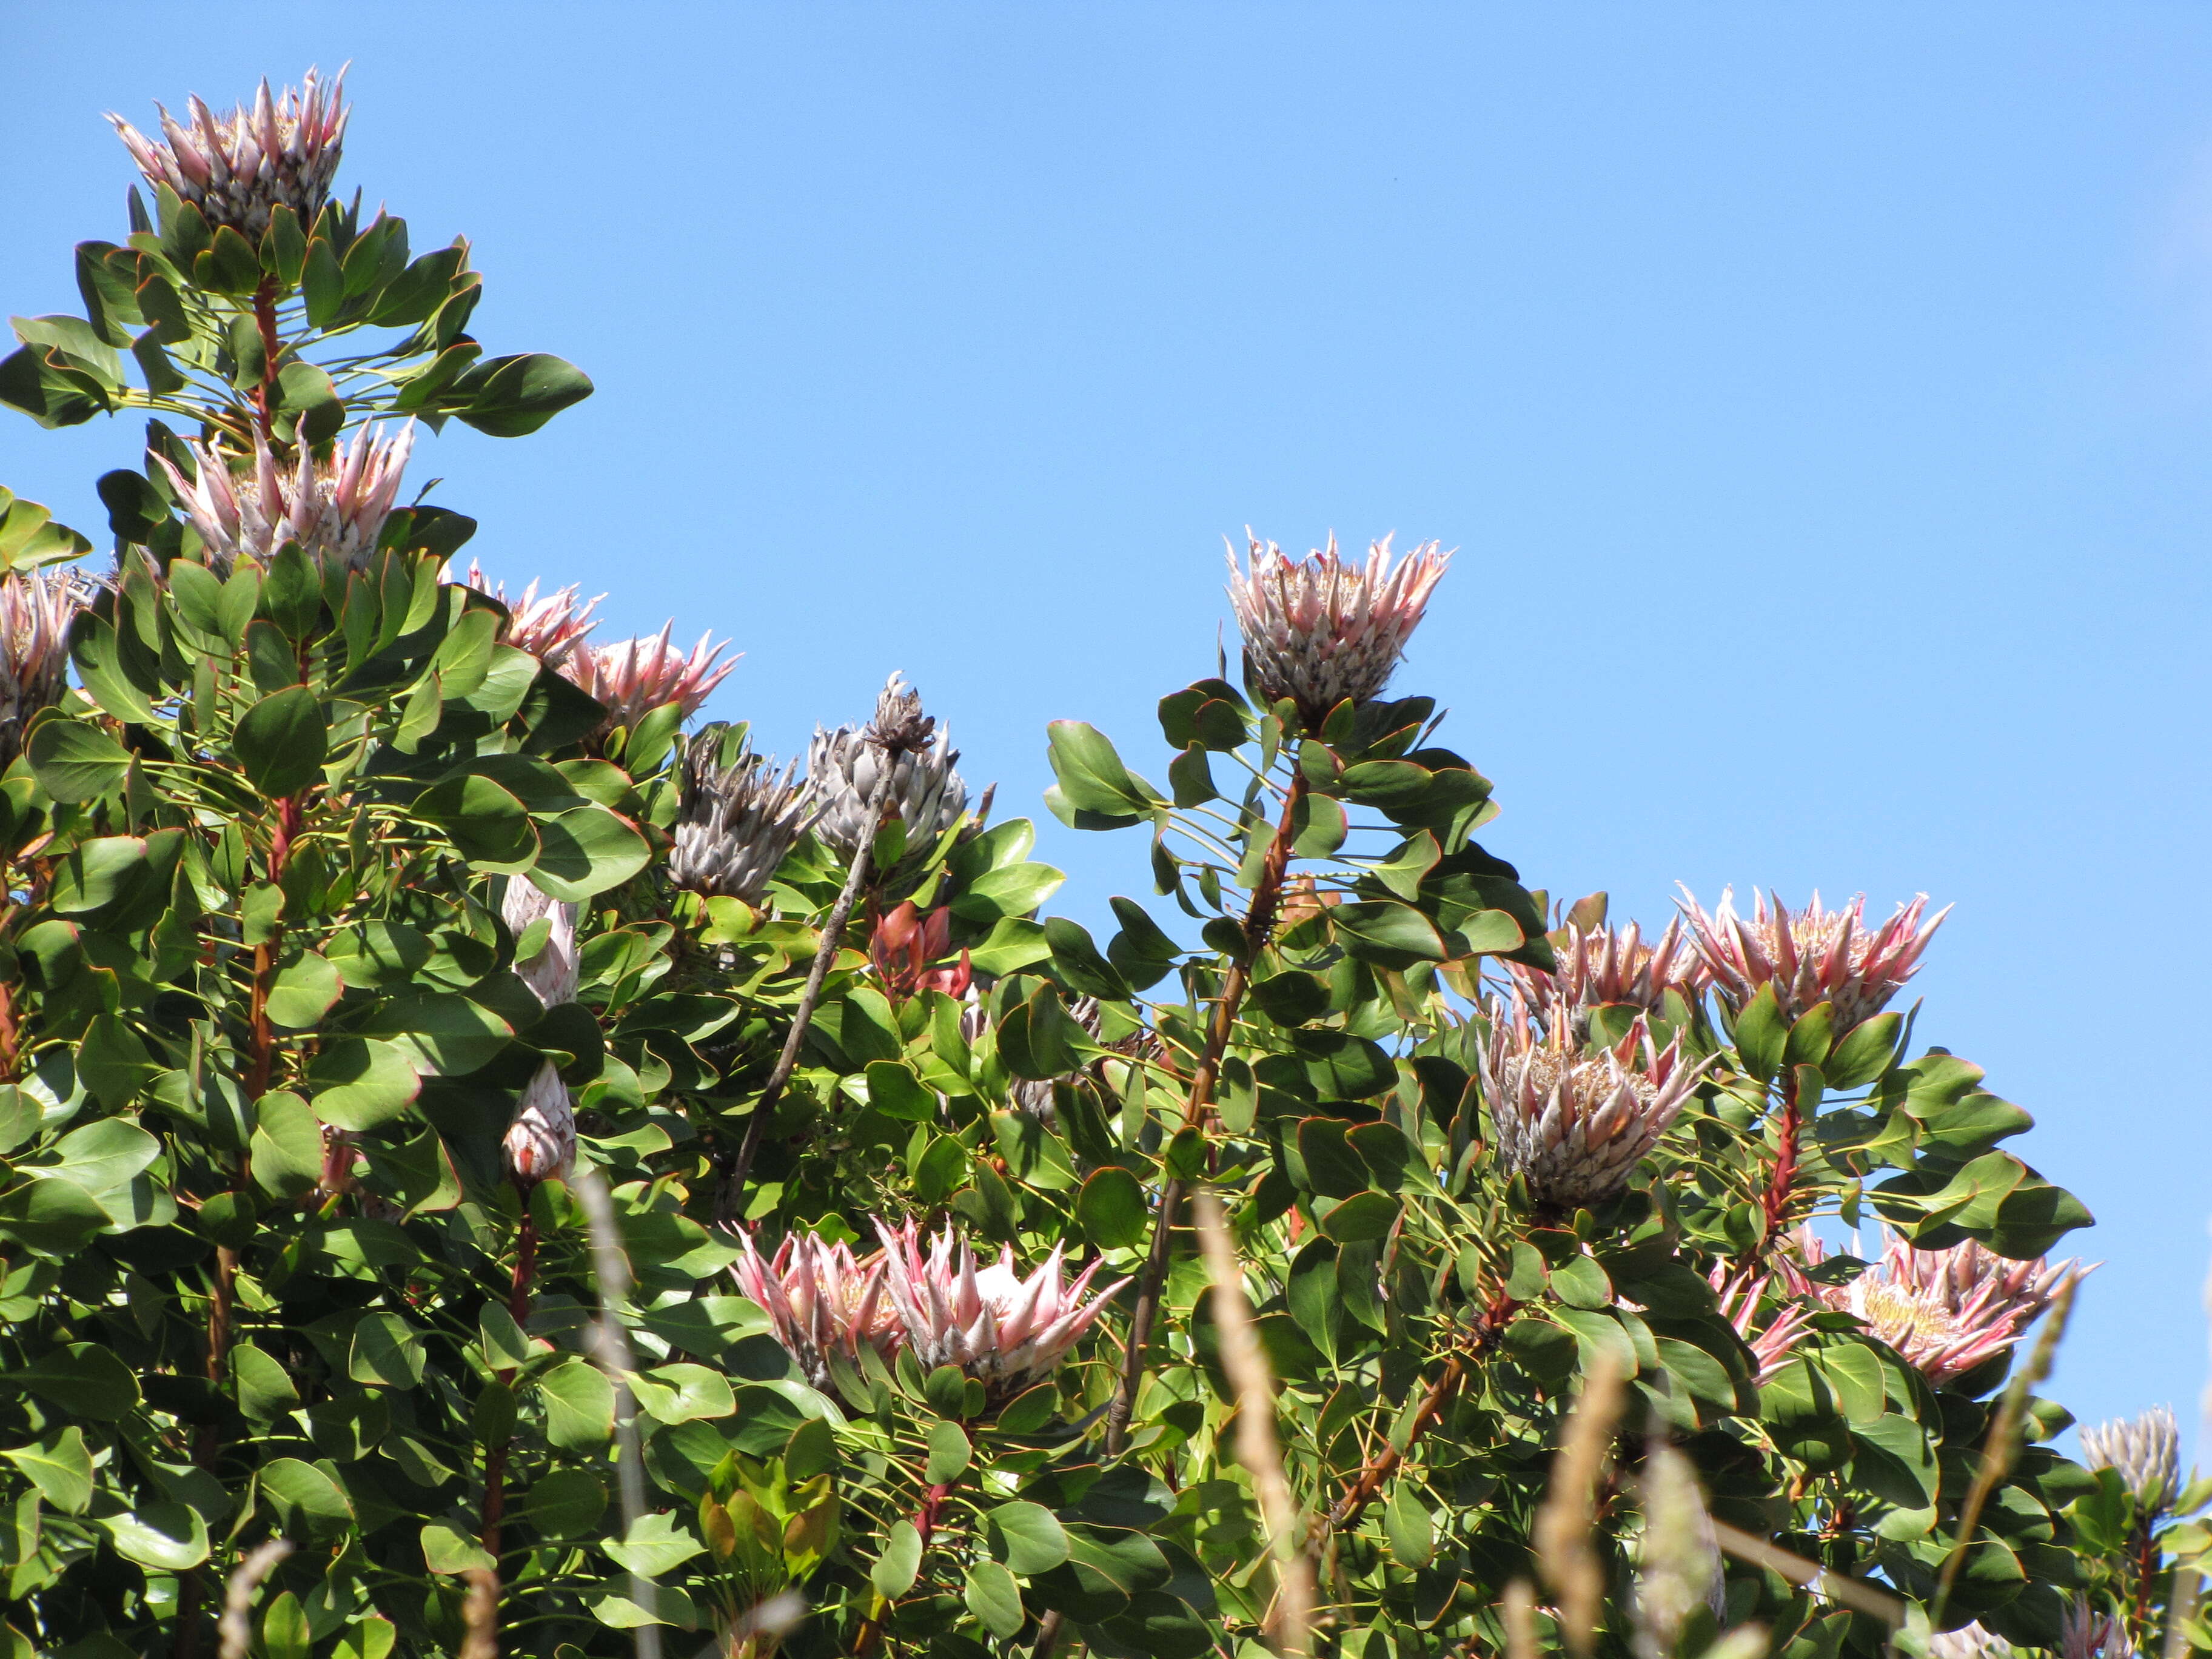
<point>842,768</point>
<point>1325,628</point>
<point>735,822</point>
<point>36,610</point>
<point>237,169</point>
<point>2145,1450</point>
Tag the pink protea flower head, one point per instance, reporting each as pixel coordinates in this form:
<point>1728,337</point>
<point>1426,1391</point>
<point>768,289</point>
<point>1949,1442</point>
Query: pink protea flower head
<point>37,608</point>
<point>552,972</point>
<point>1739,1295</point>
<point>1946,1311</point>
<point>237,169</point>
<point>1324,629</point>
<point>541,1142</point>
<point>1601,966</point>
<point>551,628</point>
<point>1572,1117</point>
<point>2145,1450</point>
<point>632,678</point>
<point>1810,956</point>
<point>1003,1331</point>
<point>335,509</point>
<point>821,1300</point>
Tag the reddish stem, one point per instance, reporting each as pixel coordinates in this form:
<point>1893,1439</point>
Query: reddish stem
<point>264,315</point>
<point>1781,1184</point>
<point>518,1303</point>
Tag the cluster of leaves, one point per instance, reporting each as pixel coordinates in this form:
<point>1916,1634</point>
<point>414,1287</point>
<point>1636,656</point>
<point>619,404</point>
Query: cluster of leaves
<point>261,1031</point>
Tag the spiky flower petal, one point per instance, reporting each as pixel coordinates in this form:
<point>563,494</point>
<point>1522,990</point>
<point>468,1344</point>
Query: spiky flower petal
<point>2145,1450</point>
<point>551,971</point>
<point>1602,966</point>
<point>335,509</point>
<point>550,629</point>
<point>1004,1332</point>
<point>541,1141</point>
<point>632,678</point>
<point>1324,629</point>
<point>1572,1117</point>
<point>239,169</point>
<point>843,767</point>
<point>1810,956</point>
<point>1739,1296</point>
<point>37,608</point>
<point>1946,1311</point>
<point>736,823</point>
<point>821,1300</point>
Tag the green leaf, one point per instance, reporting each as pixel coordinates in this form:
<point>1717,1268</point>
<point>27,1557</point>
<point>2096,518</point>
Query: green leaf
<point>512,397</point>
<point>1864,1053</point>
<point>445,1034</point>
<point>282,741</point>
<point>100,1156</point>
<point>169,1536</point>
<point>1405,1522</point>
<point>363,1084</point>
<point>265,1391</point>
<point>1111,1208</point>
<point>1762,1035</point>
<point>386,1351</point>
<point>894,1570</point>
<point>682,1392</point>
<point>995,1599</point>
<point>584,851</point>
<point>1077,961</point>
<point>565,1504</point>
<point>85,1379</point>
<point>51,1218</point>
<point>60,1467</point>
<point>653,1545</point>
<point>309,1502</point>
<point>445,1550</point>
<point>284,1629</point>
<point>1095,791</point>
<point>288,1145</point>
<point>1025,1537</point>
<point>303,991</point>
<point>948,1454</point>
<point>1363,1215</point>
<point>895,1090</point>
<point>1388,934</point>
<point>76,762</point>
<point>580,1406</point>
<point>487,825</point>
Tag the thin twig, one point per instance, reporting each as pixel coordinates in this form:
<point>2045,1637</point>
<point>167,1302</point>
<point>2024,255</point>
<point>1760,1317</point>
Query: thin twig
<point>1566,1521</point>
<point>1246,1363</point>
<point>236,1626</point>
<point>1809,1574</point>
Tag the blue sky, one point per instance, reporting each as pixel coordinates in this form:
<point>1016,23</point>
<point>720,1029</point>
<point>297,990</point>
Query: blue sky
<point>1821,400</point>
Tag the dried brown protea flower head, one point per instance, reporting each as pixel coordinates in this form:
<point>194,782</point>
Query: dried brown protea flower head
<point>550,629</point>
<point>632,678</point>
<point>821,1300</point>
<point>334,508</point>
<point>2147,1452</point>
<point>1573,1118</point>
<point>1602,966</point>
<point>1810,956</point>
<point>1946,1311</point>
<point>237,169</point>
<point>551,972</point>
<point>900,727</point>
<point>541,1141</point>
<point>36,610</point>
<point>1325,629</point>
<point>844,766</point>
<point>734,824</point>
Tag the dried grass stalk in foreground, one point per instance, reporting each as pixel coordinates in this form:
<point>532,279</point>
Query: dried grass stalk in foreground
<point>236,1627</point>
<point>1246,1366</point>
<point>1564,1524</point>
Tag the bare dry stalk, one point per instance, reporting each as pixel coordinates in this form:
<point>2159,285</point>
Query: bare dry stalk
<point>480,1616</point>
<point>1809,1574</point>
<point>610,1349</point>
<point>1569,1514</point>
<point>236,1626</point>
<point>1518,1605</point>
<point>1246,1363</point>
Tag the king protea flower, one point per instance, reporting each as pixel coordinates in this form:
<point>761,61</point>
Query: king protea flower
<point>1004,1331</point>
<point>541,1141</point>
<point>632,678</point>
<point>551,973</point>
<point>237,169</point>
<point>1603,966</point>
<point>734,824</point>
<point>909,949</point>
<point>2087,1633</point>
<point>1739,1295</point>
<point>550,628</point>
<point>844,766</point>
<point>36,610</point>
<point>335,509</point>
<point>1946,1311</point>
<point>1810,956</point>
<point>1324,629</point>
<point>821,1300</point>
<point>1573,1118</point>
<point>2145,1450</point>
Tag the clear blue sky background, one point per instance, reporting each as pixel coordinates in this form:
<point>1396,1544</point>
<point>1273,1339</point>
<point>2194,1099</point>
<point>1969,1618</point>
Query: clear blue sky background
<point>1820,399</point>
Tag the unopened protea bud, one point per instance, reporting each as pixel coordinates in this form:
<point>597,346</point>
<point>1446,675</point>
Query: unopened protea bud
<point>1322,630</point>
<point>2147,1452</point>
<point>1602,966</point>
<point>541,1142</point>
<point>632,678</point>
<point>734,824</point>
<point>909,949</point>
<point>1739,1296</point>
<point>1811,956</point>
<point>550,628</point>
<point>1677,1558</point>
<point>552,972</point>
<point>36,610</point>
<point>335,509</point>
<point>1573,1118</point>
<point>1947,1312</point>
<point>842,768</point>
<point>821,1300</point>
<point>1004,1332</point>
<point>239,169</point>
<point>2085,1633</point>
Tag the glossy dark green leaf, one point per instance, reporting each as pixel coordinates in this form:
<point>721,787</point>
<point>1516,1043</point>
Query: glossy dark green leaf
<point>75,762</point>
<point>282,741</point>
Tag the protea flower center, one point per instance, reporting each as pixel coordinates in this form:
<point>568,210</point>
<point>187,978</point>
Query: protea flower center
<point>1946,1311</point>
<point>333,509</point>
<point>237,169</point>
<point>1002,1330</point>
<point>821,1300</point>
<point>1325,629</point>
